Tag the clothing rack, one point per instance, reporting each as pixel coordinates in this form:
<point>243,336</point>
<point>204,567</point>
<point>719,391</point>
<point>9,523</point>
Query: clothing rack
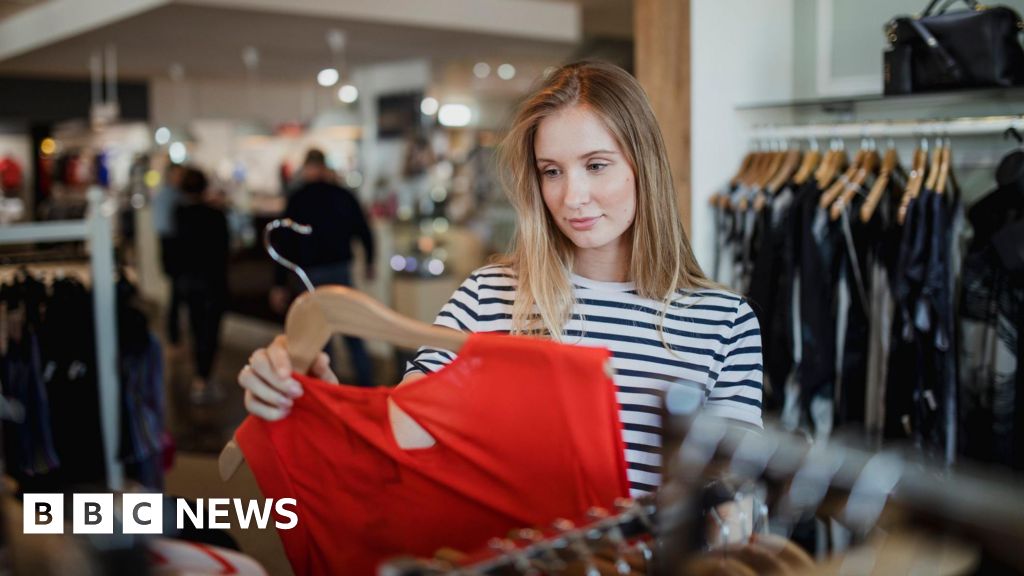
<point>964,126</point>
<point>96,231</point>
<point>853,485</point>
<point>634,519</point>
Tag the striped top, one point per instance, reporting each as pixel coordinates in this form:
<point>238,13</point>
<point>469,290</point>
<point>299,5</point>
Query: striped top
<point>714,335</point>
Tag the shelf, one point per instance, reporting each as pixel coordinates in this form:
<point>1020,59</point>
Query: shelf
<point>847,103</point>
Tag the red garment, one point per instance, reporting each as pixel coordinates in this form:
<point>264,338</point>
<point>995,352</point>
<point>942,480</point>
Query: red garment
<point>10,174</point>
<point>526,431</point>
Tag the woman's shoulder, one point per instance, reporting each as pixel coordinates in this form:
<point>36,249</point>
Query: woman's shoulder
<point>493,275</point>
<point>714,300</point>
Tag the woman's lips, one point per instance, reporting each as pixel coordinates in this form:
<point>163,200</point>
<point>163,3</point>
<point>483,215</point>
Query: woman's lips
<point>583,223</point>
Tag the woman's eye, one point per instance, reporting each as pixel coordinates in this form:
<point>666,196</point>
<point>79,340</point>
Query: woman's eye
<point>596,166</point>
<point>550,172</point>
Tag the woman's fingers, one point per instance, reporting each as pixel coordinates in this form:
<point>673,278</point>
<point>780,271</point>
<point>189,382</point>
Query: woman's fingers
<point>263,368</point>
<point>277,355</point>
<point>262,410</point>
<point>252,382</point>
<point>322,369</point>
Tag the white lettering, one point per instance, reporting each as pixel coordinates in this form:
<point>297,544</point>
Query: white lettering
<point>219,508</point>
<point>184,509</point>
<point>279,507</point>
<point>253,509</point>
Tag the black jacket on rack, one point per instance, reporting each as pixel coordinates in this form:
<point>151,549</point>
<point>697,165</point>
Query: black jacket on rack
<point>991,315</point>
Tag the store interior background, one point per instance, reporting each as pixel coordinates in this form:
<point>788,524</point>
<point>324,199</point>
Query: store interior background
<point>716,70</point>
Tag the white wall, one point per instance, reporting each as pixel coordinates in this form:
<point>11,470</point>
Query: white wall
<point>742,51</point>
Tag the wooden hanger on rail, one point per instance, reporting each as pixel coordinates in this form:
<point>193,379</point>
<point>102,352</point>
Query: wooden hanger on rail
<point>890,162</point>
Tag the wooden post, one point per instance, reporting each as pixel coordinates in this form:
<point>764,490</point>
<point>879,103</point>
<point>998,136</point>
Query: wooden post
<point>661,31</point>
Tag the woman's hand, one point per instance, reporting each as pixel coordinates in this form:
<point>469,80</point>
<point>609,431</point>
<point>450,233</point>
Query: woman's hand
<point>267,379</point>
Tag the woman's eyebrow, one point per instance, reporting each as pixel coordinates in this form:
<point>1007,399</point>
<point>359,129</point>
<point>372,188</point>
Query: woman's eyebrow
<point>582,156</point>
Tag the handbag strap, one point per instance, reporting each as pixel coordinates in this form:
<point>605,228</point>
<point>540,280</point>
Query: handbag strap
<point>972,4</point>
<point>948,62</point>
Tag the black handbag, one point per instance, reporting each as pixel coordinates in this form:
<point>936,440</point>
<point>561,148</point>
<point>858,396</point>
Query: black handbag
<point>939,50</point>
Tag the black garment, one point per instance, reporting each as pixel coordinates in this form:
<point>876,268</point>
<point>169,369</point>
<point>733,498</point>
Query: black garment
<point>336,218</point>
<point>169,258</point>
<point>206,303</point>
<point>990,318</point>
<point>921,393</point>
<point>67,340</point>
<point>770,293</point>
<point>203,242</point>
<point>817,247</point>
<point>905,359</point>
<point>855,272</point>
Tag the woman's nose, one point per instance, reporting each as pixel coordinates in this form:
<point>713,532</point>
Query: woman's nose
<point>577,193</point>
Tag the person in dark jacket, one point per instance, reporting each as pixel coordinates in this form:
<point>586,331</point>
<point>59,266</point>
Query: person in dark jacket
<point>336,218</point>
<point>203,244</point>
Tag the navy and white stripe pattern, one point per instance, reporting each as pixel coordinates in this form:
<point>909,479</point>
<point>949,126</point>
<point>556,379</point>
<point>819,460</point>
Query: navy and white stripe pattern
<point>714,334</point>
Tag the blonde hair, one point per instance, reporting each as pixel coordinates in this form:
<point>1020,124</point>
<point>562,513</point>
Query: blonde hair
<point>662,261</point>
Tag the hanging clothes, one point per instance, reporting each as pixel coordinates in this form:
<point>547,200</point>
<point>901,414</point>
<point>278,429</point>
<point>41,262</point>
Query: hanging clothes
<point>28,443</point>
<point>991,305</point>
<point>49,369</point>
<point>884,233</point>
<point>68,344</point>
<point>770,291</point>
<point>921,388</point>
<point>816,246</point>
<point>142,391</point>
<point>526,431</point>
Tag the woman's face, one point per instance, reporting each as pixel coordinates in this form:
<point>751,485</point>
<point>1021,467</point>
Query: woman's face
<point>587,184</point>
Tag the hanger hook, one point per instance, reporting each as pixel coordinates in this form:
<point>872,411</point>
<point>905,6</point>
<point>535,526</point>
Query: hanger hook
<point>1016,135</point>
<point>303,229</point>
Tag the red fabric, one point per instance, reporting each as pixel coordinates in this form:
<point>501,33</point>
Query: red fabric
<point>526,431</point>
<point>10,173</point>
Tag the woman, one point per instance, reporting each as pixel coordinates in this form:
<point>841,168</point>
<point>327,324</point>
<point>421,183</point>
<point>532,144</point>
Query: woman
<point>600,258</point>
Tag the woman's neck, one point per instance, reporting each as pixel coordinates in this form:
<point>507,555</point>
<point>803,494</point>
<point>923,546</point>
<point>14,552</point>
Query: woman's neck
<point>604,264</point>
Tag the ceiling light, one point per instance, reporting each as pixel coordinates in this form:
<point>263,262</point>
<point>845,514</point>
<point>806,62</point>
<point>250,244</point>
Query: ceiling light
<point>435,266</point>
<point>455,115</point>
<point>348,93</point>
<point>327,77</point>
<point>429,106</point>
<point>482,70</point>
<point>506,71</point>
<point>162,135</point>
<point>177,152</point>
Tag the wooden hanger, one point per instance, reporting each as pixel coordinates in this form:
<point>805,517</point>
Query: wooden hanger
<point>870,162</point>
<point>829,172</point>
<point>935,168</point>
<point>833,191</point>
<point>945,169</point>
<point>810,162</point>
<point>772,169</point>
<point>744,167</point>
<point>315,316</point>
<point>786,170</point>
<point>720,199</point>
<point>889,163</point>
<point>825,165</point>
<point>917,175</point>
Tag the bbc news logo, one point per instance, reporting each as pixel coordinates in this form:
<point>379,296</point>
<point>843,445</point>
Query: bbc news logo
<point>144,513</point>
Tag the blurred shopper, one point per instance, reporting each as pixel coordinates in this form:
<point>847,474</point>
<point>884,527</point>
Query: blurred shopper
<point>165,203</point>
<point>202,241</point>
<point>326,256</point>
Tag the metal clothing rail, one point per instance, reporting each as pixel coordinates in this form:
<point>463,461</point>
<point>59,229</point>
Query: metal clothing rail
<point>966,126</point>
<point>96,231</point>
